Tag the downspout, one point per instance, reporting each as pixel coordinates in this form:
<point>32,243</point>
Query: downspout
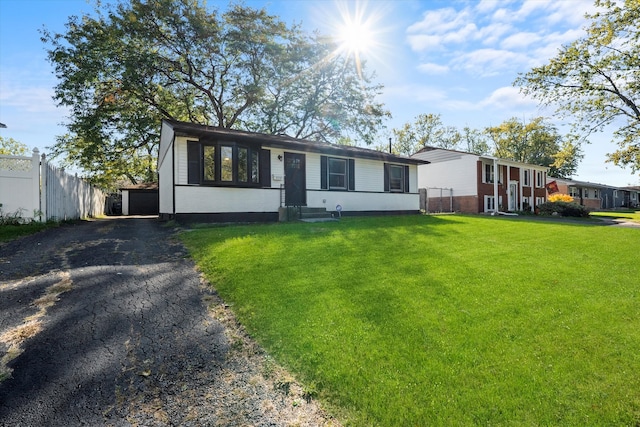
<point>496,177</point>
<point>173,175</point>
<point>520,194</point>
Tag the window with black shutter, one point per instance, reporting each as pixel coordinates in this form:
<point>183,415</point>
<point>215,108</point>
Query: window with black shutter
<point>227,164</point>
<point>337,173</point>
<point>396,178</point>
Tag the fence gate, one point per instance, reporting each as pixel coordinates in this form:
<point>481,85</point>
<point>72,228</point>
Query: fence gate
<point>436,199</point>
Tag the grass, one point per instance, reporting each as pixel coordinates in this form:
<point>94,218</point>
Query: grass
<point>12,231</point>
<point>632,215</point>
<point>442,320</point>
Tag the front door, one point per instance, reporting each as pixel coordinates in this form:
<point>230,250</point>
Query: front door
<point>513,196</point>
<point>295,186</point>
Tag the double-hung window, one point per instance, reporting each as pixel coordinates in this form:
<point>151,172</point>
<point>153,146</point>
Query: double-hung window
<point>396,178</point>
<point>539,179</point>
<point>227,164</point>
<point>489,203</point>
<point>337,173</point>
<point>488,173</point>
<point>574,192</point>
<point>526,177</point>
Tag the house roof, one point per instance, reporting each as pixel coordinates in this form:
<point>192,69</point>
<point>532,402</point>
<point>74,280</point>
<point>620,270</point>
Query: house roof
<point>437,154</point>
<point>142,186</point>
<point>286,142</point>
<point>580,183</point>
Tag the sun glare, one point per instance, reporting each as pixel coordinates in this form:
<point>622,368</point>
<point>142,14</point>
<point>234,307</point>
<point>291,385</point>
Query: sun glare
<point>355,37</point>
<point>355,33</point>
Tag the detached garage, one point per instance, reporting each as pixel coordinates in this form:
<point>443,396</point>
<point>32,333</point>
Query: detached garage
<point>140,199</point>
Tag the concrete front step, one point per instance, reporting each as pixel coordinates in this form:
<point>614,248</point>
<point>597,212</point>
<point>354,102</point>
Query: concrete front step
<point>309,215</point>
<point>305,213</point>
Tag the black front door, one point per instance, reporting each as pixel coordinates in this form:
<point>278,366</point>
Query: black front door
<point>295,186</point>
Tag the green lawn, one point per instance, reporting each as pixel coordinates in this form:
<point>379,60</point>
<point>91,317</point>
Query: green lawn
<point>628,214</point>
<point>442,320</point>
<point>10,232</point>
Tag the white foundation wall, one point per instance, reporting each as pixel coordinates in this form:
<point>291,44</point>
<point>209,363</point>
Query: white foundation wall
<point>196,199</point>
<point>355,201</point>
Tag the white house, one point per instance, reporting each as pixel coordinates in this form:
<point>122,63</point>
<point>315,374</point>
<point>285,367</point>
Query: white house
<point>480,183</point>
<point>216,174</point>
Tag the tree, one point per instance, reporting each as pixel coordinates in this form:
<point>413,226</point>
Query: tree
<point>536,142</point>
<point>11,147</point>
<point>426,131</point>
<point>128,67</point>
<point>567,159</point>
<point>596,79</point>
<point>475,141</point>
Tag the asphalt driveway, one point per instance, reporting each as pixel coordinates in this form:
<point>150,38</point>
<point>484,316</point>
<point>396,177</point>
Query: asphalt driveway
<point>107,322</point>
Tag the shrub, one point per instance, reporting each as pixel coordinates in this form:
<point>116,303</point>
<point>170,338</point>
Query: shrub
<point>563,209</point>
<point>560,198</point>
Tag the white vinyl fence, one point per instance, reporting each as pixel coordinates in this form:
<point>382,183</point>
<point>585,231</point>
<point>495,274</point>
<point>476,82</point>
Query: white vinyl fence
<point>32,188</point>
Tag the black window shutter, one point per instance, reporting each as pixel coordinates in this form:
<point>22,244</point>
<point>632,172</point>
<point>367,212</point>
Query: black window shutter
<point>265,168</point>
<point>386,177</point>
<point>352,175</point>
<point>406,179</point>
<point>194,158</point>
<point>323,173</point>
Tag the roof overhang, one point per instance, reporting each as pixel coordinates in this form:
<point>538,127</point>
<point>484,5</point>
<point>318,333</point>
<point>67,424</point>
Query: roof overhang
<point>285,142</point>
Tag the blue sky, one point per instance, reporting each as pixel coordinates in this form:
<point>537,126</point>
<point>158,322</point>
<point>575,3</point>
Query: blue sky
<point>453,58</point>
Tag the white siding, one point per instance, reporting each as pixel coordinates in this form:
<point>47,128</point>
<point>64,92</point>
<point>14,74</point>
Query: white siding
<point>459,173</point>
<point>313,171</point>
<point>182,161</point>
<point>369,175</point>
<point>277,167</point>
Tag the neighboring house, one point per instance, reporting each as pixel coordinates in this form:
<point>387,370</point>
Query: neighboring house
<point>631,196</point>
<point>481,183</point>
<point>216,174</point>
<point>589,194</point>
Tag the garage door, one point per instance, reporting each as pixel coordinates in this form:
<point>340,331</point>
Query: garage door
<point>143,202</point>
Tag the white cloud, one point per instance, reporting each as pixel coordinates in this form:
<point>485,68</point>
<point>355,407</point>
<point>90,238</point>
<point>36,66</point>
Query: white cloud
<point>498,36</point>
<point>489,62</point>
<point>417,93</point>
<point>423,42</point>
<point>31,99</point>
<point>440,21</point>
<point>432,68</point>
<point>493,33</point>
<point>520,41</point>
<point>507,98</point>
<point>441,27</point>
<point>486,6</point>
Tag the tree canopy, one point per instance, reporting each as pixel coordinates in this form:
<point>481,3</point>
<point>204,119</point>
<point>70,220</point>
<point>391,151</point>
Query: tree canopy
<point>124,69</point>
<point>536,142</point>
<point>595,81</point>
<point>427,130</point>
<point>11,147</point>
